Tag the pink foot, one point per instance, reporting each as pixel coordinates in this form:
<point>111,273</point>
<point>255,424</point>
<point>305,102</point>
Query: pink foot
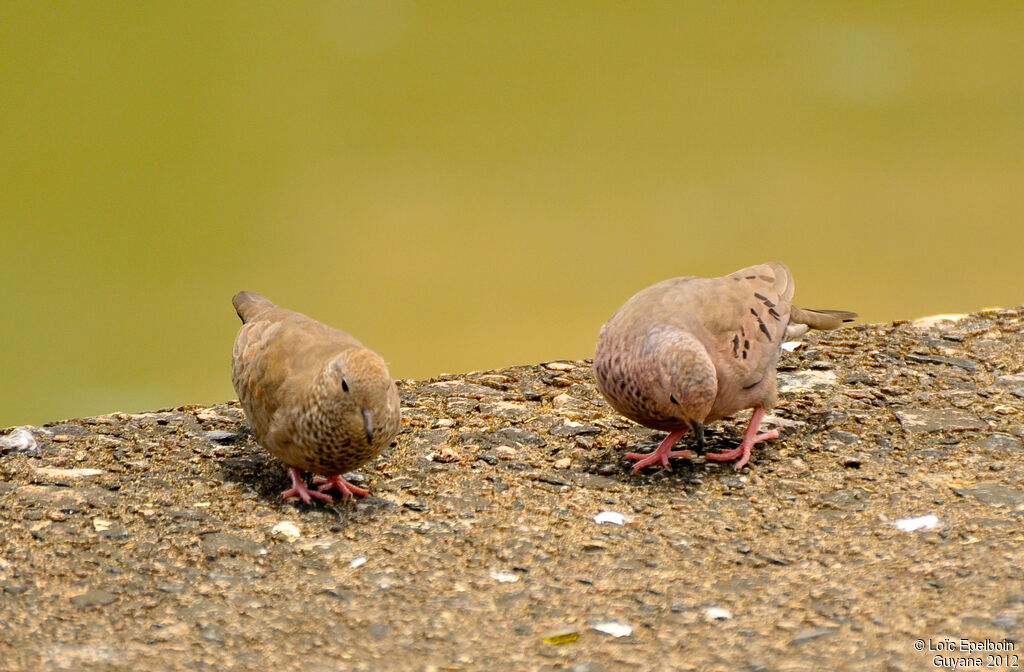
<point>750,438</point>
<point>347,489</point>
<point>660,454</point>
<point>300,490</point>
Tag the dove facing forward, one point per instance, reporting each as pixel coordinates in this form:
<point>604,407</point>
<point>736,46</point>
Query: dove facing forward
<point>314,396</point>
<point>689,351</point>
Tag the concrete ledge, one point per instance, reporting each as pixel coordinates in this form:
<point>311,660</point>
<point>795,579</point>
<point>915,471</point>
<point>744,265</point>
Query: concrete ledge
<point>157,541</point>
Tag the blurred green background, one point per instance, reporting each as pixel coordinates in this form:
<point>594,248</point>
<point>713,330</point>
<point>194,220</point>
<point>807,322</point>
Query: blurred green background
<point>472,185</point>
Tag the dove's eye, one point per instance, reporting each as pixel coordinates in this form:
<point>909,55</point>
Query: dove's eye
<point>344,385</point>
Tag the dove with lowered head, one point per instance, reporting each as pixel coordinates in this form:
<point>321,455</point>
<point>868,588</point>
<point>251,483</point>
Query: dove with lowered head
<point>314,396</point>
<point>688,351</point>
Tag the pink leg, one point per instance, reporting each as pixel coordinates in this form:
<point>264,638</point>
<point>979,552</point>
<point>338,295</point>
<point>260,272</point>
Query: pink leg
<point>749,439</point>
<point>336,481</point>
<point>660,454</point>
<point>299,489</point>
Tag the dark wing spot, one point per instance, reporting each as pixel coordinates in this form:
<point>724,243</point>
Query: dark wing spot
<point>744,354</point>
<point>760,324</point>
<point>751,277</point>
<point>746,345</point>
<point>767,278</point>
<point>735,346</point>
<point>771,311</point>
<point>765,300</point>
<point>672,398</point>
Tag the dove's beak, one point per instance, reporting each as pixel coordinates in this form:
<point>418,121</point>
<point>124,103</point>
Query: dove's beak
<point>368,425</point>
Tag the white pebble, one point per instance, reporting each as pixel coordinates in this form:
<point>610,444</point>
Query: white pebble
<point>926,522</point>
<point>54,472</point>
<point>613,628</point>
<point>806,381</point>
<point>790,346</point>
<point>357,562</point>
<point>101,525</point>
<point>20,439</point>
<point>561,400</point>
<point>286,530</point>
<point>717,614</point>
<point>933,320</point>
<point>613,517</point>
<point>504,576</point>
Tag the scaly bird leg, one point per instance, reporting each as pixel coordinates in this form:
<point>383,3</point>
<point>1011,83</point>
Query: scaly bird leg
<point>336,481</point>
<point>299,489</point>
<point>749,439</point>
<point>662,453</point>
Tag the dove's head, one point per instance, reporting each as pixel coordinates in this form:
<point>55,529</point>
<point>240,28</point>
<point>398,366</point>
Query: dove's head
<point>663,379</point>
<point>687,382</point>
<point>359,398</point>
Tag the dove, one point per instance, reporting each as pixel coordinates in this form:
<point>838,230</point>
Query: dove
<point>688,351</point>
<point>315,397</point>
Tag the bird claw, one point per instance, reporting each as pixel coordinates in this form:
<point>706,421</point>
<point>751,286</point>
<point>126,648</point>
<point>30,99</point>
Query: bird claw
<point>347,489</point>
<point>660,454</point>
<point>749,439</point>
<point>300,490</point>
<point>306,495</point>
<point>646,459</point>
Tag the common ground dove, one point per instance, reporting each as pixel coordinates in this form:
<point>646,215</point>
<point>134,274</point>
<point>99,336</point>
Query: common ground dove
<point>688,351</point>
<point>315,397</point>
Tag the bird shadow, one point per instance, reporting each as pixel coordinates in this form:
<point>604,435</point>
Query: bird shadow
<point>689,474</point>
<point>252,468</point>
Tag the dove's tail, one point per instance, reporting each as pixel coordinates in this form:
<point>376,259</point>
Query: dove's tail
<point>820,319</point>
<point>250,304</point>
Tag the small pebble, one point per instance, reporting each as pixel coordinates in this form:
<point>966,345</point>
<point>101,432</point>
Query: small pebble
<point>286,530</point>
<point>563,636</point>
<point>926,522</point>
<point>56,473</point>
<point>504,576</point>
<point>19,441</point>
<point>505,452</point>
<point>613,517</point>
<point>613,628</point>
<point>717,614</point>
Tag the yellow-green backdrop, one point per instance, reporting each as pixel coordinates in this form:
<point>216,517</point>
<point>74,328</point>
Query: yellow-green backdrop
<point>467,185</point>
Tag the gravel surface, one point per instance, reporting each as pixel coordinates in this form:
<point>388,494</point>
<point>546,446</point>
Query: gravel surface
<point>891,510</point>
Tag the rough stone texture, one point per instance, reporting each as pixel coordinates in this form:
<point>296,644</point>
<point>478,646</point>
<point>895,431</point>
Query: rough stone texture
<point>479,548</point>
